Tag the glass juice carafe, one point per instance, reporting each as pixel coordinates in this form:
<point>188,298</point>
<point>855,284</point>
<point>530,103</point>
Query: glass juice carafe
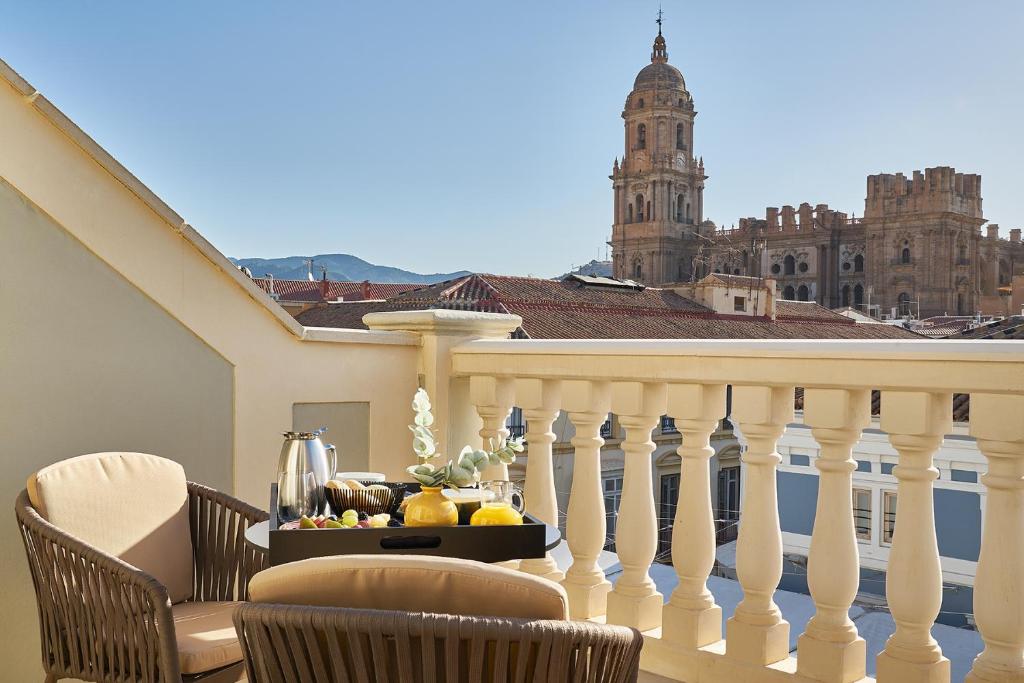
<point>498,506</point>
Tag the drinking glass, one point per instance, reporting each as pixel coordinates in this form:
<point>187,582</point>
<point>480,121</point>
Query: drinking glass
<point>297,495</point>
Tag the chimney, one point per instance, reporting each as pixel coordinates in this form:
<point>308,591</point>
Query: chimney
<point>366,289</point>
<point>1015,235</point>
<point>993,231</point>
<point>324,286</point>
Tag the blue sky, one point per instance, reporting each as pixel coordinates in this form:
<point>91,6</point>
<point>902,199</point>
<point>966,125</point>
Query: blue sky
<point>436,136</point>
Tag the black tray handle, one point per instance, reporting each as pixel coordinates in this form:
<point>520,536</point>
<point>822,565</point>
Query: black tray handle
<point>410,542</point>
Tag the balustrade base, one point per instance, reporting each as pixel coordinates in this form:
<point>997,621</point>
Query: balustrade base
<point>831,662</point>
<point>544,568</point>
<point>757,644</point>
<point>587,601</point>
<point>989,676</point>
<point>888,668</point>
<point>691,628</point>
<point>642,612</point>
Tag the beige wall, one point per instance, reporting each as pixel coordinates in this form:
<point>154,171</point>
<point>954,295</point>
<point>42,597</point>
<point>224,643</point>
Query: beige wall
<point>137,349</point>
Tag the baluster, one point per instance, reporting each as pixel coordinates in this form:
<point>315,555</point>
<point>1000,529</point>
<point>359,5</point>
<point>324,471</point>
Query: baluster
<point>539,400</point>
<point>998,596</point>
<point>635,601</point>
<point>830,649</point>
<point>492,397</point>
<point>757,633</point>
<point>691,617</point>
<point>916,423</point>
<point>585,583</point>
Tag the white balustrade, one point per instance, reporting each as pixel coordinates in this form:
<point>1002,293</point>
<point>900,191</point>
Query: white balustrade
<point>997,422</point>
<point>639,381</point>
<point>585,582</point>
<point>916,423</point>
<point>829,648</point>
<point>492,397</point>
<point>691,619</point>
<point>757,633</point>
<point>539,400</point>
<point>635,601</point>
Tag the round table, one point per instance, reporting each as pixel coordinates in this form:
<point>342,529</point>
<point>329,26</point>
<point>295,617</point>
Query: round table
<point>258,536</point>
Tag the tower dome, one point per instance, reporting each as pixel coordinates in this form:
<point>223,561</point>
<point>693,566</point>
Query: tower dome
<point>659,73</point>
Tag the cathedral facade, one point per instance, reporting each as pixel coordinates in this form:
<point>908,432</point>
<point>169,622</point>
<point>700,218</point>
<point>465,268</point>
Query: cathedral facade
<point>918,250</point>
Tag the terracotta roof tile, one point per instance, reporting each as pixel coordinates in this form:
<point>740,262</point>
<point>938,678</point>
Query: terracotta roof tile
<point>312,290</point>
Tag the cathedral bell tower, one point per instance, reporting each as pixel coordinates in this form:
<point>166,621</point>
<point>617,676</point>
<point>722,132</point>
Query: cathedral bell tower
<point>659,184</point>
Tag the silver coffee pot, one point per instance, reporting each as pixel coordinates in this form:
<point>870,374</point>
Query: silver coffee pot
<point>302,453</point>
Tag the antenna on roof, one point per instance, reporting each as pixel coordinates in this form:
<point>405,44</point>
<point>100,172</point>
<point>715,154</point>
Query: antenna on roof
<point>658,20</point>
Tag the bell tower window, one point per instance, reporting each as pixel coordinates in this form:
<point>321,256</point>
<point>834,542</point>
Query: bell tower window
<point>789,265</point>
<point>640,103</point>
<point>905,252</point>
<point>680,136</point>
<point>858,263</point>
<point>680,204</point>
<point>640,208</point>
<point>641,136</point>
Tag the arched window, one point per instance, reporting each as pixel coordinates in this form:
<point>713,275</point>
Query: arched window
<point>640,208</point>
<point>789,294</point>
<point>802,293</point>
<point>680,137</point>
<point>960,307</point>
<point>640,104</point>
<point>903,304</point>
<point>736,271</point>
<point>905,252</point>
<point>858,295</point>
<point>789,265</point>
<point>638,270</point>
<point>641,136</point>
<point>680,204</point>
<point>680,101</point>
<point>858,263</point>
<point>629,214</point>
<point>846,295</point>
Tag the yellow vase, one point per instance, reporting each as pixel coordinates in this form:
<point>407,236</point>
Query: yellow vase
<point>430,508</point>
<point>496,515</point>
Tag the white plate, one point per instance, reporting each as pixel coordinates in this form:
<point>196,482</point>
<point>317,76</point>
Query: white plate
<point>361,476</point>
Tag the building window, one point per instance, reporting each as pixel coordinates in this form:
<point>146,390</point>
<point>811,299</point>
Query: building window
<point>612,497</point>
<point>858,295</point>
<point>638,271</point>
<point>739,303</point>
<point>803,267</point>
<point>680,137</point>
<point>680,101</point>
<point>803,293</point>
<point>846,265</point>
<point>846,295</point>
<point>905,253</point>
<point>640,208</point>
<point>776,269</point>
<point>858,263</point>
<point>789,265</point>
<point>640,104</point>
<point>903,304</point>
<point>680,203</point>
<point>641,136</point>
<point>606,426</point>
<point>515,424</point>
<point>789,294</point>
<point>667,515</point>
<point>962,253</point>
<point>728,512</point>
<point>888,516</point>
<point>735,271</point>
<point>862,513</point>
<point>629,214</point>
<point>668,425</point>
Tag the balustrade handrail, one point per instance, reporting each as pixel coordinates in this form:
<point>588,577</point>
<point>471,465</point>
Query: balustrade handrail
<point>925,365</point>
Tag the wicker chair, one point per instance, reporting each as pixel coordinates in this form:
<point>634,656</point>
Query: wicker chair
<point>291,641</point>
<point>103,619</point>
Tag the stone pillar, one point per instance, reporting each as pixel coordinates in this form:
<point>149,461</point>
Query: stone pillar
<point>456,423</point>
<point>829,649</point>
<point>635,601</point>
<point>998,592</point>
<point>493,398</point>
<point>587,404</point>
<point>916,423</point>
<point>757,633</point>
<point>539,400</point>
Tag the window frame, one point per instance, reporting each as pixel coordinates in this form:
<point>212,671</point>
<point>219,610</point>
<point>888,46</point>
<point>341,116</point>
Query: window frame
<point>888,495</point>
<point>867,534</point>
<point>739,303</point>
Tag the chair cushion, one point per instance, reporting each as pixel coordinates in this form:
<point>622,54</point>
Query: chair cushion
<point>411,583</point>
<point>130,505</point>
<point>206,635</point>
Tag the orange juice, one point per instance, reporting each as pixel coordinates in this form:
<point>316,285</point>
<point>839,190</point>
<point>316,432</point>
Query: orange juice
<point>495,514</point>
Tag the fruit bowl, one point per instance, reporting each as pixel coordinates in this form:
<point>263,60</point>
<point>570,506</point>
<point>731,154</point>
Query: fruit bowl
<point>375,499</point>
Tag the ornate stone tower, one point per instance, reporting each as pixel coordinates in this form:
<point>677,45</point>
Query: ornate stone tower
<point>659,186</point>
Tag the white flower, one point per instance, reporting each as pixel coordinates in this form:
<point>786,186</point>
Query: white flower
<point>424,419</point>
<point>421,401</point>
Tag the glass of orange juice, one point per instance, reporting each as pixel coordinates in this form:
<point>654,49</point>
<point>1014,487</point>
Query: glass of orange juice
<point>497,504</point>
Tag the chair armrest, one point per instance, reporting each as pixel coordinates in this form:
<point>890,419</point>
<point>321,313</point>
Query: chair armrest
<point>100,618</point>
<point>224,562</point>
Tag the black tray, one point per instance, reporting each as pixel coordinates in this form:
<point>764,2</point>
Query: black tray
<point>481,543</point>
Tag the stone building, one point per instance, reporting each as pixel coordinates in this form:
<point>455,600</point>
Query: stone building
<point>918,250</point>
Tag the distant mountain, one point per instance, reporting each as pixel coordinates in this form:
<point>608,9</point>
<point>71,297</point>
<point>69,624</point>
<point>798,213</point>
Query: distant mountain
<point>597,268</point>
<point>339,267</point>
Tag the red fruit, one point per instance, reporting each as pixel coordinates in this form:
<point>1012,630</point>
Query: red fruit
<point>365,524</point>
<point>320,521</point>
